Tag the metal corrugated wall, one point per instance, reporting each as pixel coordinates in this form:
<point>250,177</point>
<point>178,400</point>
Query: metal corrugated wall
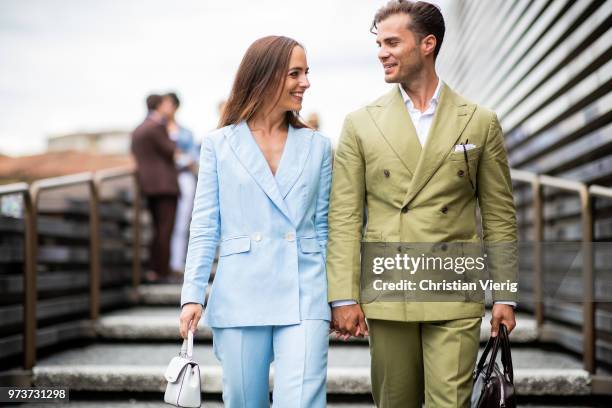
<point>544,66</point>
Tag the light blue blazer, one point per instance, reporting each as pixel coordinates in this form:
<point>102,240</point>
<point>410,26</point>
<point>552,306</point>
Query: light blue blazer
<point>271,230</point>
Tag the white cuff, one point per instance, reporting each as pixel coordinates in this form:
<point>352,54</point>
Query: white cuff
<point>338,303</point>
<point>506,302</point>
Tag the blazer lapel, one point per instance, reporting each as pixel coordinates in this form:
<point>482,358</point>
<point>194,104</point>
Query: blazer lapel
<point>297,149</point>
<point>248,153</point>
<point>393,121</point>
<point>448,124</point>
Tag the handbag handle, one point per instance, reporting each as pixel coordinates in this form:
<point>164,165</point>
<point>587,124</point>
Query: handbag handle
<point>492,343</point>
<point>493,357</point>
<point>506,354</point>
<point>187,347</point>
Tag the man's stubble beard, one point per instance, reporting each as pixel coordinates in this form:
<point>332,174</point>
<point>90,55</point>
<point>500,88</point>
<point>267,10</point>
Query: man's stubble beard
<point>412,73</point>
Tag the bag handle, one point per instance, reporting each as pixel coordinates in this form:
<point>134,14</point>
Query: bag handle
<point>493,357</point>
<point>492,347</point>
<point>483,358</point>
<point>187,347</point>
<point>506,354</point>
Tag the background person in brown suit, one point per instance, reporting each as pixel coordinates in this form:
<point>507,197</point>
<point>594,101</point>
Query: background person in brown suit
<point>157,175</point>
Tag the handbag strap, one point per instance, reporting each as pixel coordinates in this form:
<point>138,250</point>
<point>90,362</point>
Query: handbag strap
<point>506,353</point>
<point>483,357</point>
<point>491,364</point>
<point>187,347</point>
<point>492,343</point>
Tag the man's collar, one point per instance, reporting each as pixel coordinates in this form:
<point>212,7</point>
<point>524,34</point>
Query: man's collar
<point>434,99</point>
<point>157,118</point>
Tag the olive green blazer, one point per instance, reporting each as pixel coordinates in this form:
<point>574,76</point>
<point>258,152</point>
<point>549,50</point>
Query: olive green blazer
<point>416,194</point>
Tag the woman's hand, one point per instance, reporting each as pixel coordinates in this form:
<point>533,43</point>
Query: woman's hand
<point>190,316</point>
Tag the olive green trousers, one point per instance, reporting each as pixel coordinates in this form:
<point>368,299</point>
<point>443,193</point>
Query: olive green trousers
<point>416,362</point>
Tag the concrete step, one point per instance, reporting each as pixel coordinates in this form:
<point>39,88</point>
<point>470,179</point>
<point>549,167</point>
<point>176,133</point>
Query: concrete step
<point>134,403</point>
<point>161,404</point>
<point>160,294</point>
<point>162,323</point>
<point>139,367</point>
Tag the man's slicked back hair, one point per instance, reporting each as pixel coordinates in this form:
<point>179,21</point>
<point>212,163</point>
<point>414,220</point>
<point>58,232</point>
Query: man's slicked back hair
<point>425,19</point>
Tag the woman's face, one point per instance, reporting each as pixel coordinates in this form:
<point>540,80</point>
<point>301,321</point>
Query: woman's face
<point>296,82</point>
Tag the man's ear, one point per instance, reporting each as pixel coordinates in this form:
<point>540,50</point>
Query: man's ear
<point>428,44</point>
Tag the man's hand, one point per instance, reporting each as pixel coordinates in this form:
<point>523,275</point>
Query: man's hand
<point>349,321</point>
<point>502,314</point>
<point>190,316</point>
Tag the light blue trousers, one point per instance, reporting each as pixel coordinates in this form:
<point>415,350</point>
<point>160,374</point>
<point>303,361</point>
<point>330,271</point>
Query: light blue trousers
<point>299,353</point>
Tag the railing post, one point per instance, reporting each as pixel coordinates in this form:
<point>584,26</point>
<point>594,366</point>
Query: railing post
<point>588,279</point>
<point>94,249</point>
<point>30,277</point>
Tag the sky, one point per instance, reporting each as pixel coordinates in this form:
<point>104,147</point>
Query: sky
<point>73,65</point>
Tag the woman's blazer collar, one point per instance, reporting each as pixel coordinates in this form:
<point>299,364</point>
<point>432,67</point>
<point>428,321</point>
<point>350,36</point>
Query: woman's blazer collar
<point>292,163</point>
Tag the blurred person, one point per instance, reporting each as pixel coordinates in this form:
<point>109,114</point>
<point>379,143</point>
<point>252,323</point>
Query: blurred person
<point>157,176</point>
<point>423,158</point>
<point>262,196</point>
<point>221,107</point>
<point>186,158</point>
<point>313,121</point>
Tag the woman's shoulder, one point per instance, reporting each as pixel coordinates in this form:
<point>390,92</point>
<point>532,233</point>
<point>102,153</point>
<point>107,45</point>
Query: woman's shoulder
<point>321,139</point>
<point>216,135</point>
<point>317,137</point>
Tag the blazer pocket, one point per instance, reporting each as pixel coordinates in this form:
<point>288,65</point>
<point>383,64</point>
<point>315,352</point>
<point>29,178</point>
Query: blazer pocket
<point>372,237</point>
<point>234,245</point>
<point>460,156</point>
<point>309,245</point>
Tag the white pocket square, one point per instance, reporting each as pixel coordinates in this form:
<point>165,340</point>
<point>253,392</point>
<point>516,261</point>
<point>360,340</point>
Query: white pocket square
<point>469,146</point>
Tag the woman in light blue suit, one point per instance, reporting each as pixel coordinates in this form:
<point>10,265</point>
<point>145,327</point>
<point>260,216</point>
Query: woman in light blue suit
<point>262,196</point>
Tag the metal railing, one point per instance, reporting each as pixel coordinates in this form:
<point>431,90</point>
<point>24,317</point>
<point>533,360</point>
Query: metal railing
<point>99,178</point>
<point>31,198</point>
<point>94,181</point>
<point>585,193</point>
<point>29,271</point>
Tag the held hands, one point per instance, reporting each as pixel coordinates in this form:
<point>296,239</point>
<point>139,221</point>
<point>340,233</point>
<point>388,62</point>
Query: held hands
<point>348,321</point>
<point>502,314</point>
<point>190,316</point>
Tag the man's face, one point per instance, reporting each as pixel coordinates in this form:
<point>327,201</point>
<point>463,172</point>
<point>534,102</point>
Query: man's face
<point>167,108</point>
<point>399,49</point>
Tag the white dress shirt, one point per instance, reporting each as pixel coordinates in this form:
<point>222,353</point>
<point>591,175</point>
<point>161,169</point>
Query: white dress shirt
<point>422,120</point>
<point>422,123</point>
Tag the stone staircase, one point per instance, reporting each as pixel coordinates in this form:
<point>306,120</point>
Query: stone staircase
<point>133,346</point>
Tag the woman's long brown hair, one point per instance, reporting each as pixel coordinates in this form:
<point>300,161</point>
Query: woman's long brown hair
<point>260,77</point>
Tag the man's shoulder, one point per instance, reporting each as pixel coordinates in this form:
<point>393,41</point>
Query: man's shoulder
<point>363,112</point>
<point>480,112</point>
<point>139,129</point>
<point>148,126</point>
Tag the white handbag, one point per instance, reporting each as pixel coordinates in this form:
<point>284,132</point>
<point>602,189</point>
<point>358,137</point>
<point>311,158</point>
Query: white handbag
<point>183,376</point>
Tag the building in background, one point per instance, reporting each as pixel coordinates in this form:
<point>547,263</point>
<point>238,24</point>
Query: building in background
<point>110,142</point>
<point>545,68</point>
<point>70,154</point>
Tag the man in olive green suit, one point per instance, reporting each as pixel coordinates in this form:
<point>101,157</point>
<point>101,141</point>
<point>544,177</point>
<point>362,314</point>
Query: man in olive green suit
<point>422,157</point>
